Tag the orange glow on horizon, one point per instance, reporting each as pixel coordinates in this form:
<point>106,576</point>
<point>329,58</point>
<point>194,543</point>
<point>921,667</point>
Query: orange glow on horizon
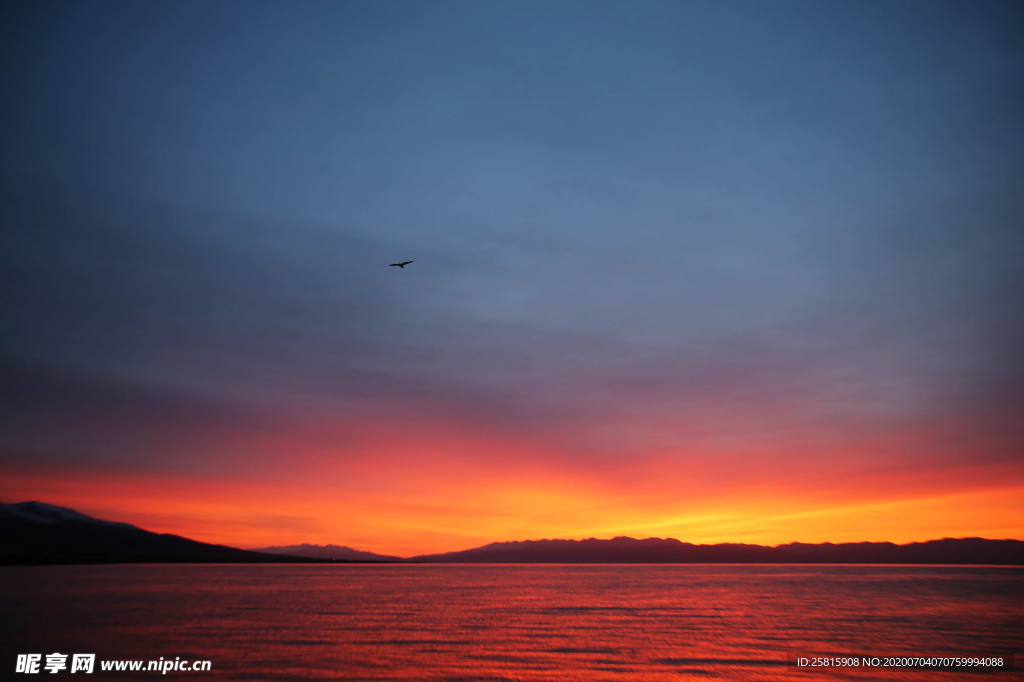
<point>435,486</point>
<point>258,514</point>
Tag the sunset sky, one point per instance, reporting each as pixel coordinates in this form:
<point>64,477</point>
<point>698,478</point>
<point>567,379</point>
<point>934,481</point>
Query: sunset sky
<point>715,270</point>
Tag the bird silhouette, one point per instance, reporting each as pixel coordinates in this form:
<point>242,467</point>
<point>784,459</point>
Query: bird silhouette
<point>400,265</point>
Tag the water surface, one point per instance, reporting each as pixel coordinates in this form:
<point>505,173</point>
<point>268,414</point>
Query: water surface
<point>436,622</point>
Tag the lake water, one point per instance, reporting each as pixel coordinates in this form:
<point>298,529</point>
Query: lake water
<point>434,622</point>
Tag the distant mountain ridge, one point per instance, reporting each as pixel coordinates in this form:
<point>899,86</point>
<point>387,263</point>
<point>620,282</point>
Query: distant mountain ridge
<point>337,552</point>
<point>40,512</point>
<point>38,533</point>
<point>667,550</point>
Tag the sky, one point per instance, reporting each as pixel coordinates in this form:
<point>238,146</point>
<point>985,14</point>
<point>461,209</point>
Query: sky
<point>719,271</point>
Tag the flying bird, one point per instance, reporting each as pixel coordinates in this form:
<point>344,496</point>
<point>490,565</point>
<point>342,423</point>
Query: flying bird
<point>400,265</point>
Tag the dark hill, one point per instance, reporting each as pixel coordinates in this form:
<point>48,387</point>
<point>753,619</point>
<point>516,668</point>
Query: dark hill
<point>38,533</point>
<point>335,552</point>
<point>657,550</point>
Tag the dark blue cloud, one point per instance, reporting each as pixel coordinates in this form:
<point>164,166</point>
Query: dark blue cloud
<point>691,204</point>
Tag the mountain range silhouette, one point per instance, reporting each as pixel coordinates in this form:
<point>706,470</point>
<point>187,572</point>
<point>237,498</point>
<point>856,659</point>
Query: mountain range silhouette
<point>40,533</point>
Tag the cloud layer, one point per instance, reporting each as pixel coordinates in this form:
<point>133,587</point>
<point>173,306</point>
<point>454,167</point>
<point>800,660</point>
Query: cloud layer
<point>690,269</point>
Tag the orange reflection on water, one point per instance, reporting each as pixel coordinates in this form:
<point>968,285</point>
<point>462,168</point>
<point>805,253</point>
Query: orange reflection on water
<point>430,622</point>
